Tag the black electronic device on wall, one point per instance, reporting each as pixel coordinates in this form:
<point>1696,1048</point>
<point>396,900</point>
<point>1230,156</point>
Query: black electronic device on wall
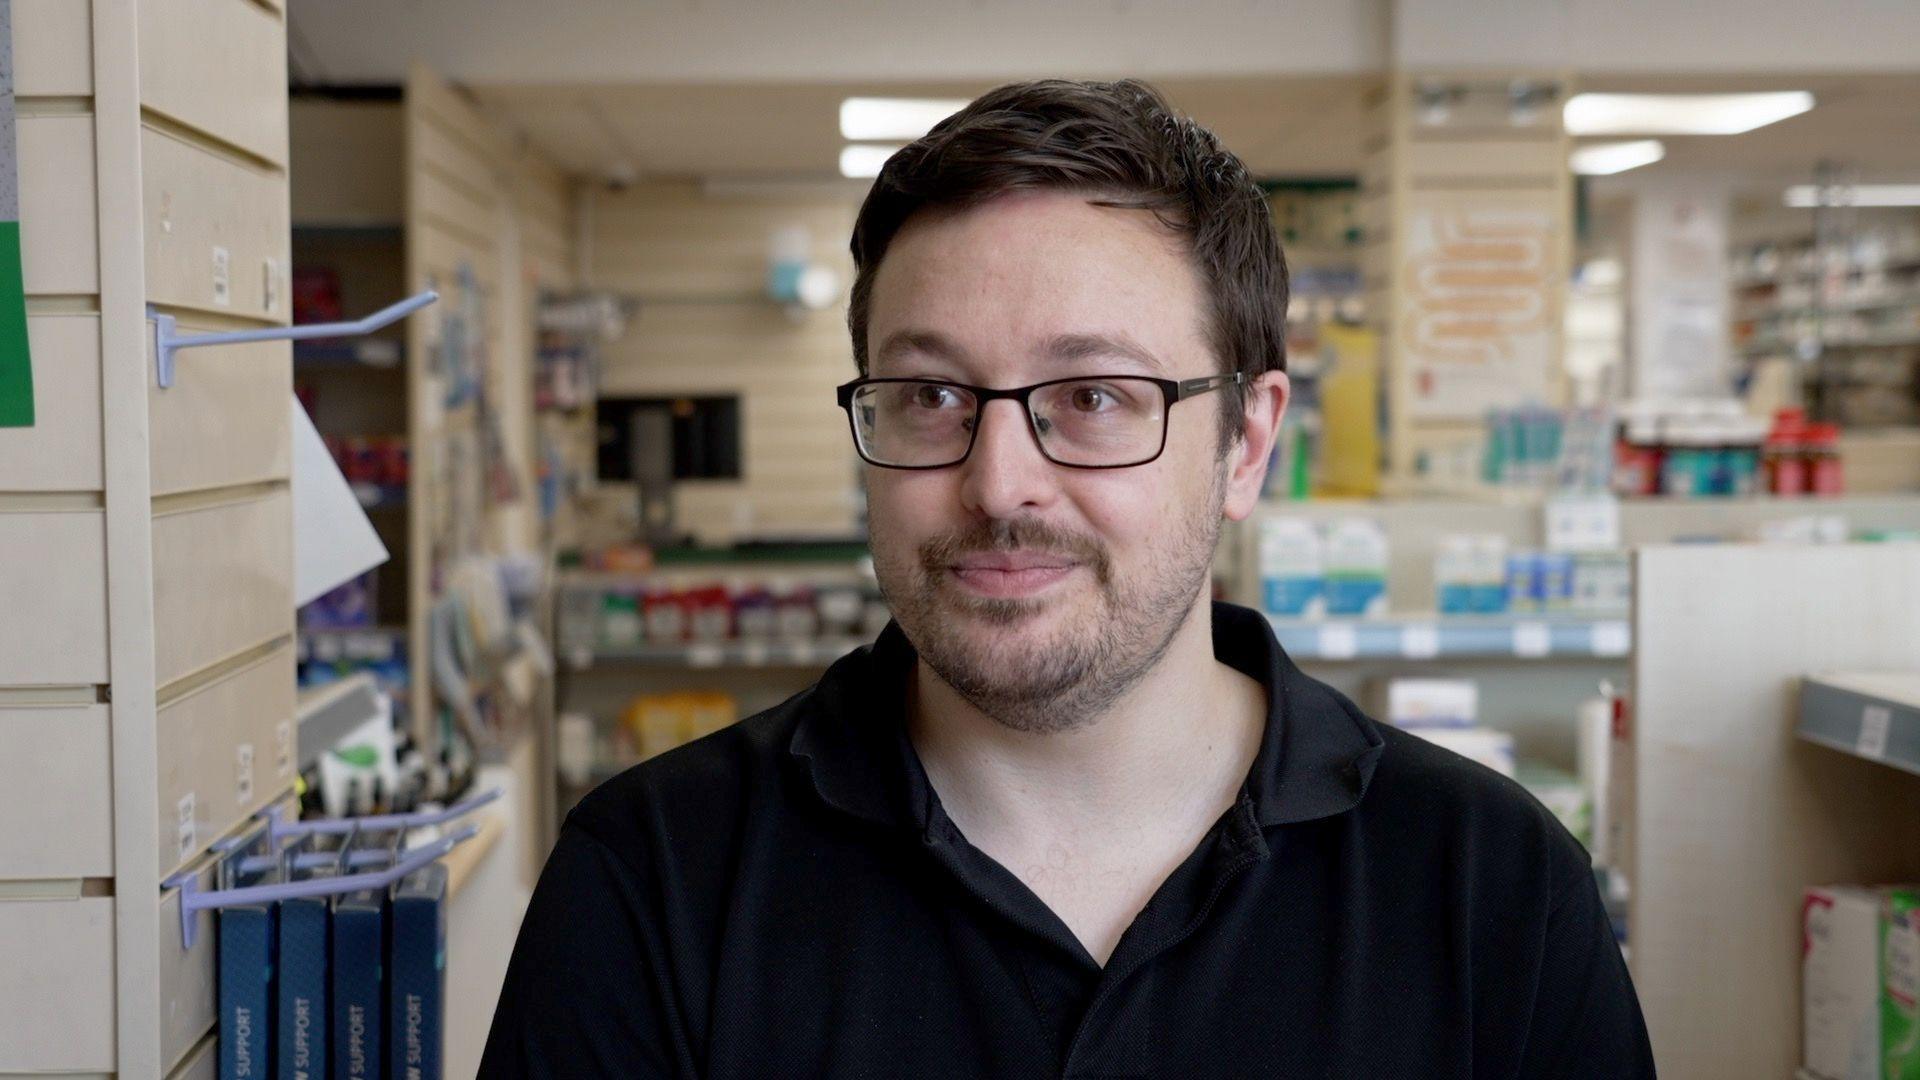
<point>678,438</point>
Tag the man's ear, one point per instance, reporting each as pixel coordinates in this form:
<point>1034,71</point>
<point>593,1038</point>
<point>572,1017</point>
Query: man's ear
<point>1247,461</point>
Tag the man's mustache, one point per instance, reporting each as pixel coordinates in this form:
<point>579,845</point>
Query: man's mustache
<point>1016,534</point>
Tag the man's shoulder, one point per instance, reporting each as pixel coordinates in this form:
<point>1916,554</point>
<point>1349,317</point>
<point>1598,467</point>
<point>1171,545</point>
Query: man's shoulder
<point>708,784</point>
<point>1434,802</point>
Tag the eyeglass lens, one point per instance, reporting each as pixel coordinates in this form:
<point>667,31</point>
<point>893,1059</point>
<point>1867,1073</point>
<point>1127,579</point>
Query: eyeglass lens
<point>1092,422</point>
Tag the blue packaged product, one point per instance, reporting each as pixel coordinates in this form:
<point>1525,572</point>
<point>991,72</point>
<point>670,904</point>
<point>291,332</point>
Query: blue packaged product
<point>1553,588</point>
<point>417,975</point>
<point>246,986</point>
<point>359,938</point>
<point>1523,574</point>
<point>301,1034</point>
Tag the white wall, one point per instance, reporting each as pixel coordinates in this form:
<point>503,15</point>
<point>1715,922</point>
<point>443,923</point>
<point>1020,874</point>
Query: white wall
<point>698,263</point>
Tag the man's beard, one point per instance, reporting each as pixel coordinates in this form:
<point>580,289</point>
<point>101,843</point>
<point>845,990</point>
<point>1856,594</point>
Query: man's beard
<point>1086,665</point>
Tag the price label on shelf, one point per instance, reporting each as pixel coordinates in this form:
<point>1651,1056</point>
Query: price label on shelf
<point>1420,641</point>
<point>704,654</point>
<point>1532,639</point>
<point>1338,641</point>
<point>800,653</point>
<point>754,653</point>
<point>1876,722</point>
<point>243,773</point>
<point>1610,638</point>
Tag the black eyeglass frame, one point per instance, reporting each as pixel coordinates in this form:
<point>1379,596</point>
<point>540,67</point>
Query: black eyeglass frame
<point>1174,390</point>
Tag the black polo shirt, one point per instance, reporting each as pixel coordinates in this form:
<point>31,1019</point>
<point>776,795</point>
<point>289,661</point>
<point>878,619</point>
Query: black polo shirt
<point>787,898</point>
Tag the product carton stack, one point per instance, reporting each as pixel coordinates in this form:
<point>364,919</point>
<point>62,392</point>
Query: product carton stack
<point>1860,996</point>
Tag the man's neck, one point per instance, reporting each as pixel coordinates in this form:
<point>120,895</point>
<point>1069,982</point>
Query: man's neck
<point>1169,756</point>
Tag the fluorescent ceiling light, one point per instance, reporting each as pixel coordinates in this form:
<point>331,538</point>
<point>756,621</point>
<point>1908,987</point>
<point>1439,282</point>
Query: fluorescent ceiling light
<point>862,161</point>
<point>1605,159</point>
<point>1681,114</point>
<point>894,118</point>
<point>1808,195</point>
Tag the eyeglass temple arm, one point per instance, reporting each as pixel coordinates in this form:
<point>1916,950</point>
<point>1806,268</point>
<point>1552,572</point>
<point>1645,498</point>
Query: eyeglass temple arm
<point>1190,387</point>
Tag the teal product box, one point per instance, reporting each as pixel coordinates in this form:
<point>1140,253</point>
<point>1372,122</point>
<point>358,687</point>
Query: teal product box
<point>1355,560</point>
<point>1357,594</point>
<point>359,940</point>
<point>302,1014</point>
<point>246,986</point>
<point>417,978</point>
<point>1291,563</point>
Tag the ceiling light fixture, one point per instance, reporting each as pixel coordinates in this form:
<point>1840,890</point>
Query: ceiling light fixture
<point>1681,114</point>
<point>894,118</point>
<point>1605,159</point>
<point>862,161</point>
<point>1807,196</point>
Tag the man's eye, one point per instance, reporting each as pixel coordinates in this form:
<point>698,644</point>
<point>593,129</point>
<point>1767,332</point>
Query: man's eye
<point>933,397</point>
<point>1089,399</point>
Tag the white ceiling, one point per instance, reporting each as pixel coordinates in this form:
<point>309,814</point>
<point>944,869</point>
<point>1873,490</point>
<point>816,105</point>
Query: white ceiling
<point>1302,127</point>
<point>1284,127</point>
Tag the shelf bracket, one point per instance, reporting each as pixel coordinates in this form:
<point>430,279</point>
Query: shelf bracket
<point>167,340</point>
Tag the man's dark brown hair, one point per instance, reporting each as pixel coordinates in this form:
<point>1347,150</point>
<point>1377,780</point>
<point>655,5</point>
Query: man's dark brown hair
<point>1123,145</point>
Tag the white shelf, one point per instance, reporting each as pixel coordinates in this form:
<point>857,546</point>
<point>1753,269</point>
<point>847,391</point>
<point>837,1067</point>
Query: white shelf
<point>1871,715</point>
<point>757,654</point>
<point>326,713</point>
<point>1441,637</point>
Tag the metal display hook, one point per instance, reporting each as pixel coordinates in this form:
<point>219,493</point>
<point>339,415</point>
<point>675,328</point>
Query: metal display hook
<point>167,342</point>
<point>279,828</point>
<point>275,829</point>
<point>193,901</point>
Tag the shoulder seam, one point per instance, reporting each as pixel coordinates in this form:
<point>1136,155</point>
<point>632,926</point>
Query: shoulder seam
<point>575,822</point>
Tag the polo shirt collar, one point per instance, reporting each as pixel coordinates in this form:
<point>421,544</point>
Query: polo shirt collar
<point>1315,760</point>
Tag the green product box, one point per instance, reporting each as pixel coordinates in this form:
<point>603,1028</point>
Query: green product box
<point>1860,989</point>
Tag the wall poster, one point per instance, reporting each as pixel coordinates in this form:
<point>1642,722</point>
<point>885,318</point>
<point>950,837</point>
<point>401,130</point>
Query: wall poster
<point>16,368</point>
<point>1476,314</point>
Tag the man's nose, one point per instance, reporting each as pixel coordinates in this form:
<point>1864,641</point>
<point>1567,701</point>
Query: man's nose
<point>1006,474</point>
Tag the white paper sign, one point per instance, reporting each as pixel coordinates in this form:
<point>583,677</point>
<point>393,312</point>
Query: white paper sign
<point>1420,641</point>
<point>1876,722</point>
<point>1338,641</point>
<point>333,542</point>
<point>1532,639</point>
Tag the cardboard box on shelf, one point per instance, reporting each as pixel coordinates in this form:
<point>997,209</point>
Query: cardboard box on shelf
<point>1860,982</point>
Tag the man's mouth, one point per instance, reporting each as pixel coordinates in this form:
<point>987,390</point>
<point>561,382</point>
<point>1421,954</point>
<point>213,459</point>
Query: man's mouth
<point>1010,574</point>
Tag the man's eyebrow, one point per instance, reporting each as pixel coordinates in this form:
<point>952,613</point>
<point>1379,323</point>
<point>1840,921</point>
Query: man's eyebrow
<point>1086,346</point>
<point>903,343</point>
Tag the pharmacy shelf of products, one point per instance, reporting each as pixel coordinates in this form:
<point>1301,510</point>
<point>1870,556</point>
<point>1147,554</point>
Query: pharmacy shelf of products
<point>1457,637</point>
<point>1854,306</point>
<point>785,606</point>
<point>1871,715</point>
<point>1708,449</point>
<point>375,466</point>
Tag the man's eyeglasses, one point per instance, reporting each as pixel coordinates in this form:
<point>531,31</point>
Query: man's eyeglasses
<point>1090,422</point>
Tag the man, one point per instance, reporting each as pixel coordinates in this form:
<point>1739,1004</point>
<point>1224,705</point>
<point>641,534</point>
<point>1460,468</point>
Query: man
<point>1066,817</point>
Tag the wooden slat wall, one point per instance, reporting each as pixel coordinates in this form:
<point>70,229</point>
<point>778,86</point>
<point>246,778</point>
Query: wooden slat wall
<point>153,171</point>
<point>1476,164</point>
<point>475,198</point>
<point>698,265</point>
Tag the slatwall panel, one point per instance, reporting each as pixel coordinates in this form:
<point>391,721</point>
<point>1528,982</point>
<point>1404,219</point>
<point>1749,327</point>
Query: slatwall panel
<point>1474,167</point>
<point>152,150</point>
<point>699,267</point>
<point>474,198</point>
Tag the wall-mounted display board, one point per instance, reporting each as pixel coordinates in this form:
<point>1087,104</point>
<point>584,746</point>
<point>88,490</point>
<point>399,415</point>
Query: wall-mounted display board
<point>146,563</point>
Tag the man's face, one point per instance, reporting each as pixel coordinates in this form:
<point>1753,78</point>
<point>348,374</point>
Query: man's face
<point>1042,592</point>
